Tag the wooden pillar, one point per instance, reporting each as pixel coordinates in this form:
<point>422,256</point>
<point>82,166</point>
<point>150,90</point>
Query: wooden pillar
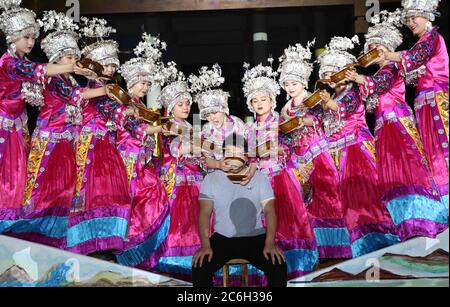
<point>361,25</point>
<point>320,31</point>
<point>260,37</point>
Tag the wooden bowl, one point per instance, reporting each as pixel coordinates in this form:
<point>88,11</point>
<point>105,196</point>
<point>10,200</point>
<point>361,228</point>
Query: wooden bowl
<point>263,150</point>
<point>174,128</point>
<point>236,163</point>
<point>119,94</point>
<point>368,58</point>
<point>236,178</point>
<point>289,125</point>
<point>148,115</point>
<point>339,77</point>
<point>95,67</point>
<point>312,100</point>
<point>208,145</point>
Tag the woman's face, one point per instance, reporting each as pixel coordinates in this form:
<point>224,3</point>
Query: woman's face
<point>140,89</point>
<point>381,57</point>
<point>217,119</point>
<point>262,104</point>
<point>25,44</point>
<point>109,70</point>
<point>67,59</point>
<point>417,24</point>
<point>293,88</point>
<point>181,109</point>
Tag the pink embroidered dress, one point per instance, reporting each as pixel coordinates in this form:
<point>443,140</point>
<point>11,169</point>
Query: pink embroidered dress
<point>102,202</point>
<point>51,168</point>
<point>428,62</point>
<point>294,234</point>
<point>352,146</point>
<point>182,175</point>
<point>14,136</point>
<point>319,177</point>
<point>149,220</point>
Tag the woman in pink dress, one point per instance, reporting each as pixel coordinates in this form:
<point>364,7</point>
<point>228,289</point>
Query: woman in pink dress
<point>426,65</point>
<point>149,220</point>
<point>352,147</point>
<point>294,233</point>
<point>20,83</point>
<point>182,171</point>
<point>51,168</point>
<point>403,170</point>
<point>101,205</point>
<point>213,106</point>
<point>310,157</point>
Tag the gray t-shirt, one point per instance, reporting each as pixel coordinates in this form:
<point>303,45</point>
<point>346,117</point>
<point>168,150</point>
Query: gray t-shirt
<point>237,209</point>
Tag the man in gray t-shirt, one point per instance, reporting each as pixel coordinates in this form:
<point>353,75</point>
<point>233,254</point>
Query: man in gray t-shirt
<point>238,229</point>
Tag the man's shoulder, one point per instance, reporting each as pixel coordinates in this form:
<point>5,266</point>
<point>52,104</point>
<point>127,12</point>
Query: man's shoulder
<point>259,176</point>
<point>215,175</point>
<point>258,180</point>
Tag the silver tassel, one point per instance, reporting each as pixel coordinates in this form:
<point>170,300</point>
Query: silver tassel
<point>73,115</point>
<point>32,93</point>
<point>371,103</point>
<point>412,77</point>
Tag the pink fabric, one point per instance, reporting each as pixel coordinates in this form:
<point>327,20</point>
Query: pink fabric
<point>148,203</point>
<point>437,66</point>
<point>13,159</point>
<point>53,114</point>
<point>183,238</point>
<point>149,197</point>
<point>353,120</point>
<point>292,218</point>
<point>107,182</point>
<point>398,164</point>
<point>432,145</point>
<point>308,136</point>
<point>393,98</point>
<point>325,203</point>
<point>360,195</point>
<point>12,74</point>
<point>58,184</point>
<point>184,212</point>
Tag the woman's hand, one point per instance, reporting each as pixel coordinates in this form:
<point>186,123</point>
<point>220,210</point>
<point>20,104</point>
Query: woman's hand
<point>352,75</point>
<point>325,96</point>
<point>131,111</point>
<point>223,165</point>
<point>168,132</point>
<point>79,70</point>
<point>153,129</point>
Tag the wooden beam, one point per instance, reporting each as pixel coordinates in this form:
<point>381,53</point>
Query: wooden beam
<point>89,7</point>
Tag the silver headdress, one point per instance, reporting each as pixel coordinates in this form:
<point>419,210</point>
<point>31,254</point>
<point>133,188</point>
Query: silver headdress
<point>422,8</point>
<point>336,56</point>
<point>209,98</point>
<point>146,63</point>
<point>295,65</point>
<point>176,88</point>
<point>105,52</point>
<point>62,40</point>
<point>260,79</point>
<point>385,30</point>
<point>17,22</point>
